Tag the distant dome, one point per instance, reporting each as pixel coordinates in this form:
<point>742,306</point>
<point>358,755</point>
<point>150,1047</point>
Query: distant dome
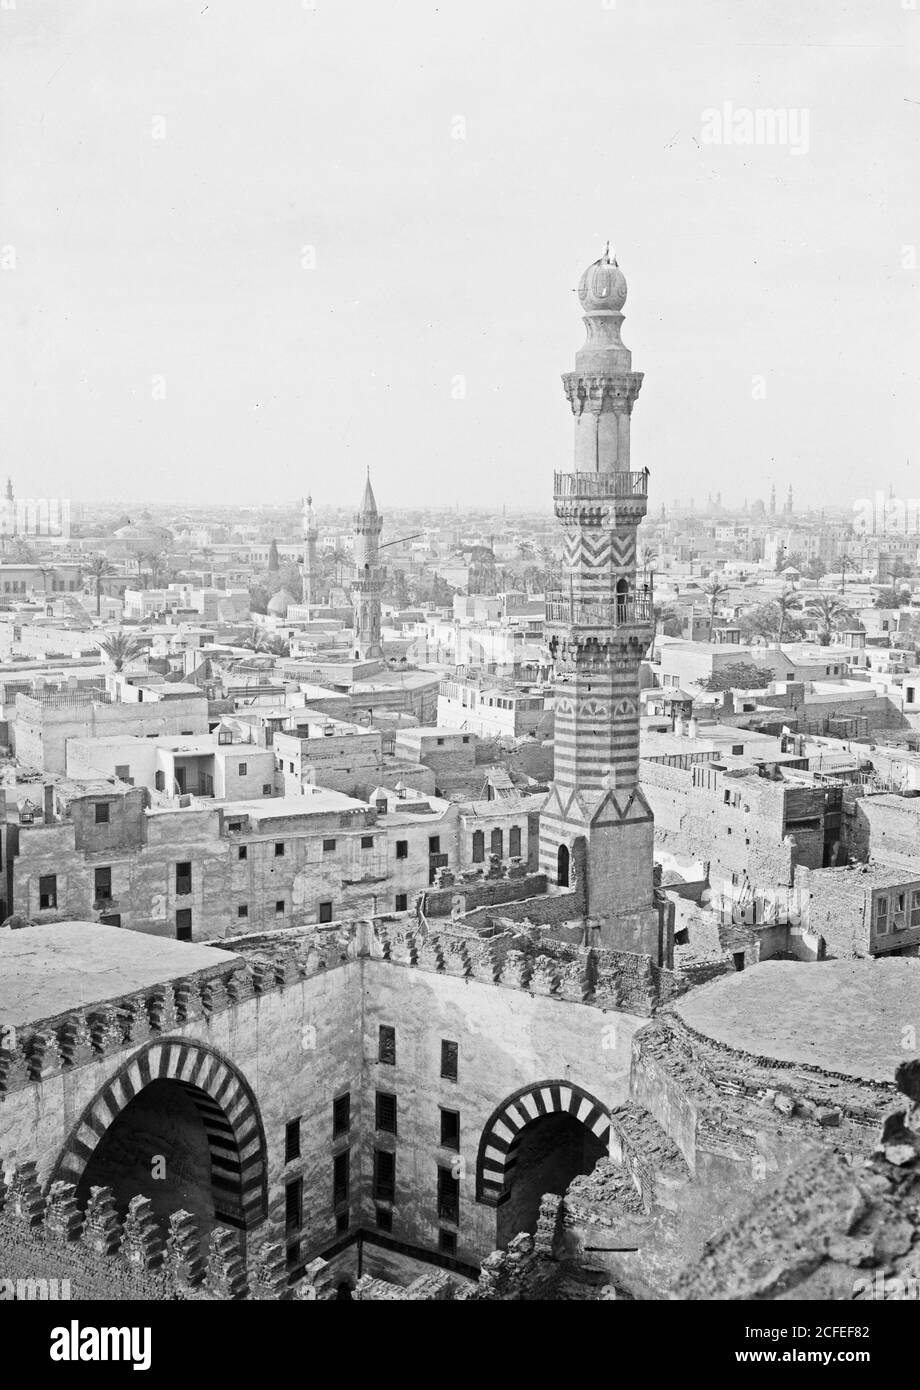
<point>279,603</point>
<point>603,286</point>
<point>144,531</point>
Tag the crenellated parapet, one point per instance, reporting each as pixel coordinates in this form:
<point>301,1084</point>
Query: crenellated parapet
<point>526,959</point>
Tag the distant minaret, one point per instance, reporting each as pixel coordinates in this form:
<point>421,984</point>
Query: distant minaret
<point>789,501</point>
<point>596,828</point>
<point>10,506</point>
<point>773,499</point>
<point>310,536</point>
<point>367,585</point>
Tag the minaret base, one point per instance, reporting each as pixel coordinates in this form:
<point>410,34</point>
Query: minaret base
<point>601,844</point>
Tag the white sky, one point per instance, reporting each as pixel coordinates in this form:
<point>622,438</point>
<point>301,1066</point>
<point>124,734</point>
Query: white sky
<point>180,258</point>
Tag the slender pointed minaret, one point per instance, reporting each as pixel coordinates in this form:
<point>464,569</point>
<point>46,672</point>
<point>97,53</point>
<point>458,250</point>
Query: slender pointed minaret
<point>310,536</point>
<point>367,585</point>
<point>596,828</point>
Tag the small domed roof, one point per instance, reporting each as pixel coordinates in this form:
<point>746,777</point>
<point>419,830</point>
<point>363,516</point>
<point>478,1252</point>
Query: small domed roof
<point>602,286</point>
<point>280,602</point>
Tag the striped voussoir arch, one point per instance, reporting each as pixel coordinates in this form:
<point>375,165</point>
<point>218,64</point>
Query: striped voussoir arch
<point>498,1147</point>
<point>227,1108</point>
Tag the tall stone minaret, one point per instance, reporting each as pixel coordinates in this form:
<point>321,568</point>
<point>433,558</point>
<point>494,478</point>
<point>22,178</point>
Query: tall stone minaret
<point>596,829</point>
<point>367,585</point>
<point>310,536</point>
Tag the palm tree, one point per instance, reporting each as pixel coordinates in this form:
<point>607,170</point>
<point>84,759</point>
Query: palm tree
<point>829,610</point>
<point>846,563</point>
<point>255,639</point>
<point>97,569</point>
<point>647,557</point>
<point>151,562</point>
<point>277,646</point>
<point>120,648</point>
<point>714,590</point>
<point>22,551</point>
<point>784,604</point>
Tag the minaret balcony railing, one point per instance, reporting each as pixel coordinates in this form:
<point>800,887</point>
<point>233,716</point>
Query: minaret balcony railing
<point>598,613</point>
<point>600,485</point>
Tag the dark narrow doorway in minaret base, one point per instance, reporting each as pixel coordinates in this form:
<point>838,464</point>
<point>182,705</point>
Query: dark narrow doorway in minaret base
<point>562,866</point>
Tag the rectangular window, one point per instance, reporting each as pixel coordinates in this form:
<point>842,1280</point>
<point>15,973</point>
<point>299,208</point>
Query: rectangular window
<point>325,912</point>
<point>184,924</point>
<point>402,849</point>
<point>514,842</point>
<point>881,915</point>
<point>328,845</point>
<point>159,781</point>
<point>402,902</point>
<point>279,907</point>
<point>386,1045</point>
<point>434,844</point>
<point>450,1052</point>
<point>293,1204</point>
<point>123,772</point>
<point>267,788</point>
<point>103,885</point>
<point>340,1167</point>
<point>367,842</point>
<point>243,769</point>
<point>385,1112</point>
<point>242,852</point>
<point>183,878</point>
<point>448,1196</point>
<point>47,892</point>
<point>292,1140</point>
<point>915,908</point>
<point>450,1129</point>
<point>102,813</point>
<point>279,849</point>
<point>242,910</point>
<point>384,1176</point>
<point>447,1242</point>
<point>384,1219</point>
<point>341,1115</point>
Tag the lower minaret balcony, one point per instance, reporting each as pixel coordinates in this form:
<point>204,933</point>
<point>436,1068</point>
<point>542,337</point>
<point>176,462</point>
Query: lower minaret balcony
<point>565,610</point>
<point>576,627</point>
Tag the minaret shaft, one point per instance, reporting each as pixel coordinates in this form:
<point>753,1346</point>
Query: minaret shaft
<point>367,585</point>
<point>596,824</point>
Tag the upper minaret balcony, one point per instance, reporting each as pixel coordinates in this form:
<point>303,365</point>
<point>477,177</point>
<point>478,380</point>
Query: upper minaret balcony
<point>615,499</point>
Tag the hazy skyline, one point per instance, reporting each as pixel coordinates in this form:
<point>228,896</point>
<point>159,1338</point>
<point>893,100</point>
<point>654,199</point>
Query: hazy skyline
<point>250,254</point>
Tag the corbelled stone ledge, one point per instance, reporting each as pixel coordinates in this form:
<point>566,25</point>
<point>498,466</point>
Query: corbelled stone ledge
<point>525,959</point>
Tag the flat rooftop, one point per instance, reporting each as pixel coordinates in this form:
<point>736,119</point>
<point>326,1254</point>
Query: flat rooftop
<point>47,970</point>
<point>843,1016</point>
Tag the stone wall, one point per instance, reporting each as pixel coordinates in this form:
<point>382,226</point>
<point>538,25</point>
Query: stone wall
<point>297,1019</point>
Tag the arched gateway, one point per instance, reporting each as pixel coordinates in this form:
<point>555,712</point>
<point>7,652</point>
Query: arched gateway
<point>206,1087</point>
<point>536,1142</point>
